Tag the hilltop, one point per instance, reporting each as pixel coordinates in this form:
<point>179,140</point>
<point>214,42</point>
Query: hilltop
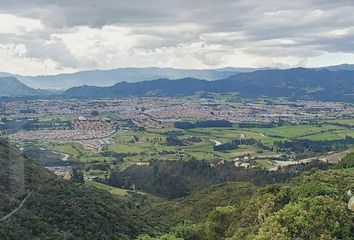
<point>10,86</point>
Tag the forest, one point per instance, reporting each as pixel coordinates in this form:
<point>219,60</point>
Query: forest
<point>178,200</point>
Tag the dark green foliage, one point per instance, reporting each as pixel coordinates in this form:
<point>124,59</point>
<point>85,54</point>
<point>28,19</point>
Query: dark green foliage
<point>95,113</point>
<point>45,157</point>
<point>213,123</point>
<point>258,125</point>
<point>226,146</point>
<point>203,124</point>
<point>173,179</point>
<point>77,175</point>
<point>312,218</point>
<point>347,161</point>
<point>172,139</point>
<point>59,209</point>
<point>184,125</point>
<point>17,125</point>
<point>196,206</point>
<point>301,145</point>
<point>310,206</point>
<point>285,212</point>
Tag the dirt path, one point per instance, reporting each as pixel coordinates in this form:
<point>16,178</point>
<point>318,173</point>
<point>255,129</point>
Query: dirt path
<point>288,163</point>
<point>336,157</point>
<point>16,209</point>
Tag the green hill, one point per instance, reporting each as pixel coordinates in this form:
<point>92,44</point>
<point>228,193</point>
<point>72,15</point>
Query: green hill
<point>58,209</point>
<point>197,206</point>
<point>312,206</point>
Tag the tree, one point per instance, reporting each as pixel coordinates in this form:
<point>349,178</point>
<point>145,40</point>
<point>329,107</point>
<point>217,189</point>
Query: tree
<point>219,221</point>
<point>95,113</point>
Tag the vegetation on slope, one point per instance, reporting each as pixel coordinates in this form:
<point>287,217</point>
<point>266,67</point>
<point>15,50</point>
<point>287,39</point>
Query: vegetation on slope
<point>174,179</point>
<point>312,206</point>
<point>59,209</point>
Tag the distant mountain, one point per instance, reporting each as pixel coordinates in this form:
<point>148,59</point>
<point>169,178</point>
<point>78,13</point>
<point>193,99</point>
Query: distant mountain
<point>297,83</point>
<point>10,86</point>
<point>340,67</point>
<point>105,78</point>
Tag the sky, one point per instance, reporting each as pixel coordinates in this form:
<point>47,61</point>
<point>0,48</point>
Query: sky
<point>40,37</point>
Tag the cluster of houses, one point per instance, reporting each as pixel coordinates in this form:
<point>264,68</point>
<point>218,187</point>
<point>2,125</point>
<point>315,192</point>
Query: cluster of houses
<point>83,123</point>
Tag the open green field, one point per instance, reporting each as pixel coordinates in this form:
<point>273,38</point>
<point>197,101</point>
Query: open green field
<point>145,144</point>
<point>150,144</point>
<point>343,121</point>
<point>261,163</point>
<point>111,190</point>
<point>295,131</point>
<point>224,134</point>
<point>77,152</point>
<point>332,135</point>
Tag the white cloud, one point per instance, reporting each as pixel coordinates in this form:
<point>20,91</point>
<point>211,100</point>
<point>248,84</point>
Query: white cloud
<point>11,24</point>
<point>51,36</point>
<point>13,60</point>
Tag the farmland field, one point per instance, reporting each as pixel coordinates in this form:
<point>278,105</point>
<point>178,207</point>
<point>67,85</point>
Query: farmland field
<point>150,144</point>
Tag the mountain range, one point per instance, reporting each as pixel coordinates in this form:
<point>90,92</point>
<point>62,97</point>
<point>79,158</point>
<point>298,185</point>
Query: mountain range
<point>297,83</point>
<point>105,78</point>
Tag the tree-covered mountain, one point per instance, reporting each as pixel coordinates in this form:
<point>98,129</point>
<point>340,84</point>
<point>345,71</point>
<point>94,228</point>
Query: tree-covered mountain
<point>297,83</point>
<point>10,86</point>
<point>312,206</point>
<point>55,208</point>
<point>42,206</point>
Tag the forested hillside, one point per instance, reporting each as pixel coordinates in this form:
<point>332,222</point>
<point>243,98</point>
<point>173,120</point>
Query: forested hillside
<point>173,179</point>
<point>58,209</point>
<point>312,205</point>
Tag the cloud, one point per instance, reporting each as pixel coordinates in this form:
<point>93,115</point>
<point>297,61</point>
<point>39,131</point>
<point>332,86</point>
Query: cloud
<point>58,36</point>
<point>11,24</point>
